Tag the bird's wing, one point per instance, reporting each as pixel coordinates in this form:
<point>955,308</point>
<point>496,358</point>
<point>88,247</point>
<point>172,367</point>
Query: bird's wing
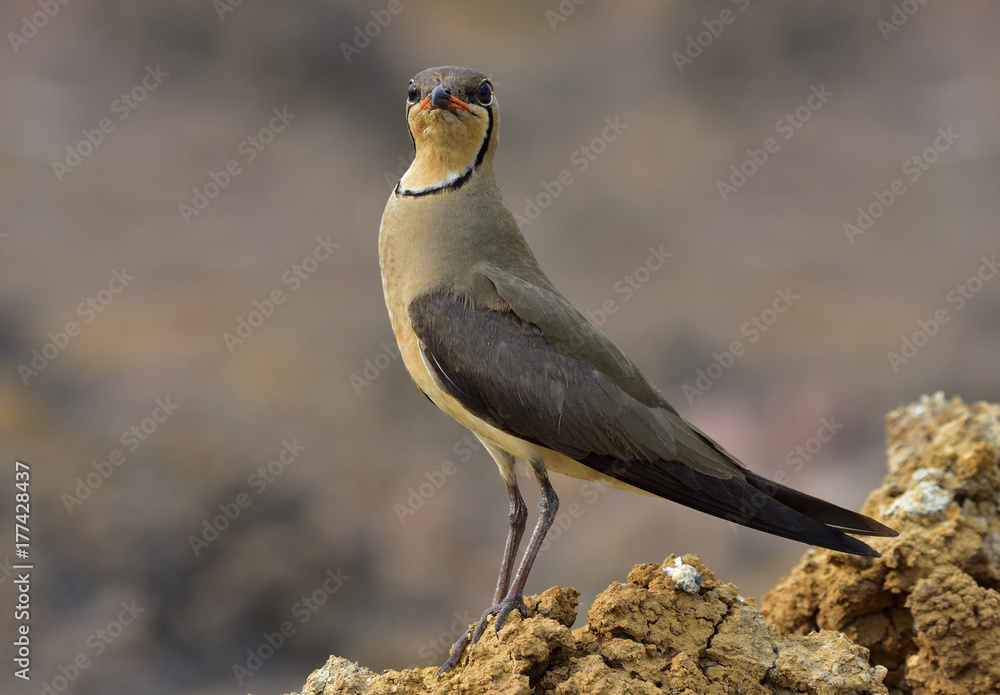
<point>521,358</point>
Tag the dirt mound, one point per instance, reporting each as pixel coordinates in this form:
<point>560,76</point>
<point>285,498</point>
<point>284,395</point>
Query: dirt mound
<point>674,627</point>
<point>928,609</point>
<point>926,614</point>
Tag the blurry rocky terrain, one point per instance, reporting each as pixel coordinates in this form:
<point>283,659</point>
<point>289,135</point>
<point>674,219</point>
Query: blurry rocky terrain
<point>650,635</point>
<point>923,619</point>
<point>929,608</point>
<point>234,465</point>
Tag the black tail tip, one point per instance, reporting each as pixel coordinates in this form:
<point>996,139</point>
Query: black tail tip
<point>853,546</point>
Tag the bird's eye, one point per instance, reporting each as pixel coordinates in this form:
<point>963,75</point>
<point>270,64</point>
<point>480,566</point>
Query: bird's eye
<point>412,92</point>
<point>485,93</point>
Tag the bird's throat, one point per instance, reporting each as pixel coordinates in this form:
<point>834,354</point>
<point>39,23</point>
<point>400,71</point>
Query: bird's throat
<point>433,172</point>
<point>448,151</point>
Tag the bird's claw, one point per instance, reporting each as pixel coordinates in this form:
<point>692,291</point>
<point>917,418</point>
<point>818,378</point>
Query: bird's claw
<point>504,608</point>
<point>501,611</point>
<point>456,654</point>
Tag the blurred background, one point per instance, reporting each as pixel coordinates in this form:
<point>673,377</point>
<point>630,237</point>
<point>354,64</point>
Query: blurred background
<point>233,477</point>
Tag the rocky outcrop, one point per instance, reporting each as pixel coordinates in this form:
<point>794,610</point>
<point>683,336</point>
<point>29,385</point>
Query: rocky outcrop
<point>671,628</point>
<point>922,619</point>
<point>928,609</point>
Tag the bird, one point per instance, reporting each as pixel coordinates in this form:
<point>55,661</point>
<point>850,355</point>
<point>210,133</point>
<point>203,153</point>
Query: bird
<point>490,341</point>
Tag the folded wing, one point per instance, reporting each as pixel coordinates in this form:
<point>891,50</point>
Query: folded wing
<point>528,363</point>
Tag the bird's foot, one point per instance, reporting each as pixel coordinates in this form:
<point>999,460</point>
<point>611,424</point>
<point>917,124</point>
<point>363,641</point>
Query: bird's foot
<point>501,611</point>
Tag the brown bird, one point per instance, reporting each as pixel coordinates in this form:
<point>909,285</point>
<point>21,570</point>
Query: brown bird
<point>489,339</point>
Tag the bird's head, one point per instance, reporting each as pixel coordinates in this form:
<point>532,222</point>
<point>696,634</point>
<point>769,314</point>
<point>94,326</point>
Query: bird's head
<point>451,114</point>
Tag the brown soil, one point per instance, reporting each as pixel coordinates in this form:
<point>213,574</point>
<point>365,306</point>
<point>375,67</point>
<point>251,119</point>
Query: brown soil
<point>645,636</point>
<point>924,618</point>
<point>928,609</point>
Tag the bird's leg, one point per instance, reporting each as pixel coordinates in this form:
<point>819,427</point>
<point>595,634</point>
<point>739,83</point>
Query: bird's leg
<point>516,518</point>
<point>547,507</point>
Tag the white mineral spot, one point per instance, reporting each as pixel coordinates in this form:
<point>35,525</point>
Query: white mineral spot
<point>686,577</point>
<point>926,497</point>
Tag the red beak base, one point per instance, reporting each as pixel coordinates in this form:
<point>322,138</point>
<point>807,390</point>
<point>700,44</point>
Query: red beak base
<point>453,103</point>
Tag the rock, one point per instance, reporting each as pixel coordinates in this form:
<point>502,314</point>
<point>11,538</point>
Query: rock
<point>339,676</point>
<point>927,613</point>
<point>958,635</point>
<point>654,633</point>
<point>928,609</point>
<point>686,577</point>
<point>824,662</point>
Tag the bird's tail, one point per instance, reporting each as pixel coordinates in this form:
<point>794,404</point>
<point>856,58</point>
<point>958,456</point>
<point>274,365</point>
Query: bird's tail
<point>820,510</point>
<point>750,500</point>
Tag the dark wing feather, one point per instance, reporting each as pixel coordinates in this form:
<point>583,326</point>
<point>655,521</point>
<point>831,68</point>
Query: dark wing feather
<point>505,371</point>
<point>509,373</point>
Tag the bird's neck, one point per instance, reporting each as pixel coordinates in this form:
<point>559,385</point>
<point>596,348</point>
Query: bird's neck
<point>430,241</point>
<point>436,168</point>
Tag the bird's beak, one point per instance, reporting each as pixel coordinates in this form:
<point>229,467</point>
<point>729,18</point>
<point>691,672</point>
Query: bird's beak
<point>440,99</point>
